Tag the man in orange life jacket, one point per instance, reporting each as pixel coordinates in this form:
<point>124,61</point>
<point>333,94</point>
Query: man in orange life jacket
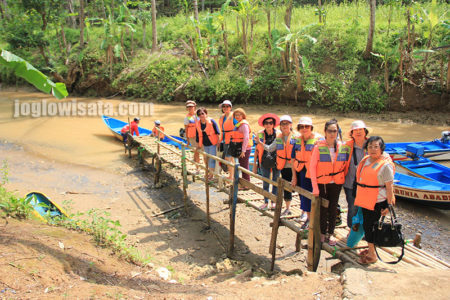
<point>132,128</point>
<point>155,132</point>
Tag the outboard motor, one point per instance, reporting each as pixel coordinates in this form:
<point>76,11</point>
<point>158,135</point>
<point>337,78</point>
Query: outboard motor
<point>445,136</point>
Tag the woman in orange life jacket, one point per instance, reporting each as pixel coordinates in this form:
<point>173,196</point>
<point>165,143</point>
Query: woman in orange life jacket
<point>242,134</point>
<point>375,180</point>
<point>190,129</point>
<point>226,125</point>
<point>358,134</point>
<point>207,137</point>
<point>155,132</point>
<point>285,147</point>
<point>300,163</point>
<point>265,153</point>
<point>327,170</point>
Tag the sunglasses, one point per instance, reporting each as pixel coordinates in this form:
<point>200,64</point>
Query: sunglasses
<point>332,131</point>
<point>304,126</point>
<point>285,123</point>
<point>201,114</point>
<point>226,106</point>
<point>268,123</point>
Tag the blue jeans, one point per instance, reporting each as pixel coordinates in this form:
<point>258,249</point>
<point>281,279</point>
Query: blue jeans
<point>211,150</point>
<point>266,174</point>
<point>304,183</point>
<point>352,209</point>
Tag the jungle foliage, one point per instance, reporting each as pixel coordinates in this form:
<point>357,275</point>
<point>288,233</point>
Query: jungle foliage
<point>249,51</point>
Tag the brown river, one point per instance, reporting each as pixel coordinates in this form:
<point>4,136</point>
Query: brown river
<point>85,140</point>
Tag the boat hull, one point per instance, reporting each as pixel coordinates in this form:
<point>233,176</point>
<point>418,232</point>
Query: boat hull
<point>44,207</point>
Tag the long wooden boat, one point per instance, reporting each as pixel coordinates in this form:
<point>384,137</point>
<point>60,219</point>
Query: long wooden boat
<point>438,149</point>
<point>115,126</point>
<point>423,191</point>
<point>44,208</point>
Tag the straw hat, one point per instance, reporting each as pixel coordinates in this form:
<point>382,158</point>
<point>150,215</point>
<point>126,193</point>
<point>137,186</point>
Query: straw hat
<point>269,116</point>
<point>240,110</point>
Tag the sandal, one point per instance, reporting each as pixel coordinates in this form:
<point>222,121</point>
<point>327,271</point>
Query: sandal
<point>363,253</point>
<point>364,261</point>
<point>264,206</point>
<point>286,212</point>
<point>272,206</point>
<point>332,240</point>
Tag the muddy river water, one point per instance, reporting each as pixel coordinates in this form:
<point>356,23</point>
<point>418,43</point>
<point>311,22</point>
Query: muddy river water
<point>85,140</point>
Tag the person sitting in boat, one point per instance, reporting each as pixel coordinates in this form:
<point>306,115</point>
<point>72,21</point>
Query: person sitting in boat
<point>132,128</point>
<point>155,132</point>
<point>375,182</point>
<point>358,134</point>
<point>207,137</point>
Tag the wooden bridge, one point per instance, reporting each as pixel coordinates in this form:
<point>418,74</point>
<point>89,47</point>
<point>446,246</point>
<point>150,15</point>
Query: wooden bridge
<point>182,159</point>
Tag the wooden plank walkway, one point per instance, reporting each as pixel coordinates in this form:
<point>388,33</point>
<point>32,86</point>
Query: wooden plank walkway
<point>413,257</point>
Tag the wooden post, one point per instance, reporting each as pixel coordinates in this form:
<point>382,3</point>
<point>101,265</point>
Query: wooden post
<point>314,243</point>
<point>157,169</point>
<point>205,158</point>
<point>233,208</point>
<point>298,243</point>
<point>184,174</point>
<point>276,221</point>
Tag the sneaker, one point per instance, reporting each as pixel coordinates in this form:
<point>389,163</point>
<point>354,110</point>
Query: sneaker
<point>332,240</point>
<point>303,217</point>
<point>272,206</point>
<point>305,225</point>
<point>265,206</point>
<point>286,212</point>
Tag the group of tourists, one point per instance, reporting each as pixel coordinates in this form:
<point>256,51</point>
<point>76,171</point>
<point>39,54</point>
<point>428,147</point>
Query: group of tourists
<point>321,163</point>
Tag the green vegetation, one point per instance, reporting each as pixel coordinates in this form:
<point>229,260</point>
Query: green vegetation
<point>105,231</point>
<point>249,51</point>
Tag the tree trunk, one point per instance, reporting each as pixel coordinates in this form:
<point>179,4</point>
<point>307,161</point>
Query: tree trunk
<point>320,11</point>
<point>44,20</point>
<point>42,51</point>
<point>424,68</point>
<point>448,73</point>
<point>203,5</point>
<point>196,18</point>
<point>216,62</point>
<point>4,7</point>
<point>269,31</point>
<point>288,15</point>
<point>225,41</point>
<point>442,73</point>
<point>386,77</point>
<point>408,20</point>
<point>72,20</point>
<point>81,24</point>
<point>144,35</point>
<point>103,10</point>
<point>63,35</point>
<point>244,37</point>
<point>369,45</point>
<point>298,74</point>
<point>400,65</point>
<point>194,53</point>
<point>237,27</point>
<point>154,33</point>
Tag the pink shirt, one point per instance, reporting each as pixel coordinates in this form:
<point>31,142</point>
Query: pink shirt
<point>245,130</point>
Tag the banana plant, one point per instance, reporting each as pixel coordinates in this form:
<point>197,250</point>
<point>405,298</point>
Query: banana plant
<point>25,70</point>
<point>213,33</point>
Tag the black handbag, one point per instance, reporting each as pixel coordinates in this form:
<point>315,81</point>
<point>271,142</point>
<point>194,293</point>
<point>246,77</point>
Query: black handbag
<point>269,160</point>
<point>235,149</point>
<point>388,234</point>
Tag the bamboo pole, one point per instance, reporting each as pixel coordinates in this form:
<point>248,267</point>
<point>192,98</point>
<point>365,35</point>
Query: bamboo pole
<point>276,222</point>
<point>314,243</point>
<point>233,209</point>
<point>184,174</point>
<point>208,219</point>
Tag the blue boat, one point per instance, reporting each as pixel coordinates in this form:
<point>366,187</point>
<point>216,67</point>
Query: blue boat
<point>423,191</point>
<point>433,149</point>
<point>115,126</point>
<point>425,169</point>
<point>44,208</point>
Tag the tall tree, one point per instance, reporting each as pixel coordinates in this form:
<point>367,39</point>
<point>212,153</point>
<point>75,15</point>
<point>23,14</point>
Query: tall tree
<point>81,24</point>
<point>72,20</point>
<point>196,17</point>
<point>154,31</point>
<point>369,45</point>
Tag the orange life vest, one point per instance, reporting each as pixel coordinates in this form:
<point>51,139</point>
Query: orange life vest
<point>284,150</point>
<point>190,130</point>
<point>303,152</point>
<point>227,128</point>
<point>262,140</point>
<point>328,171</point>
<point>238,137</point>
<point>156,132</point>
<point>367,181</point>
<point>210,132</point>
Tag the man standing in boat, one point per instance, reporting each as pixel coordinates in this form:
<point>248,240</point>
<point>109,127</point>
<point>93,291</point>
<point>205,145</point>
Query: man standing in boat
<point>132,128</point>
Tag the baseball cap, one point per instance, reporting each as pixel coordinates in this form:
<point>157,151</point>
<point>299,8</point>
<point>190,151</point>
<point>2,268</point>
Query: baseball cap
<point>305,121</point>
<point>158,122</point>
<point>190,103</point>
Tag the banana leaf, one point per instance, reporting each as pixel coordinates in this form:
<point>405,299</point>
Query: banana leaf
<point>24,69</point>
